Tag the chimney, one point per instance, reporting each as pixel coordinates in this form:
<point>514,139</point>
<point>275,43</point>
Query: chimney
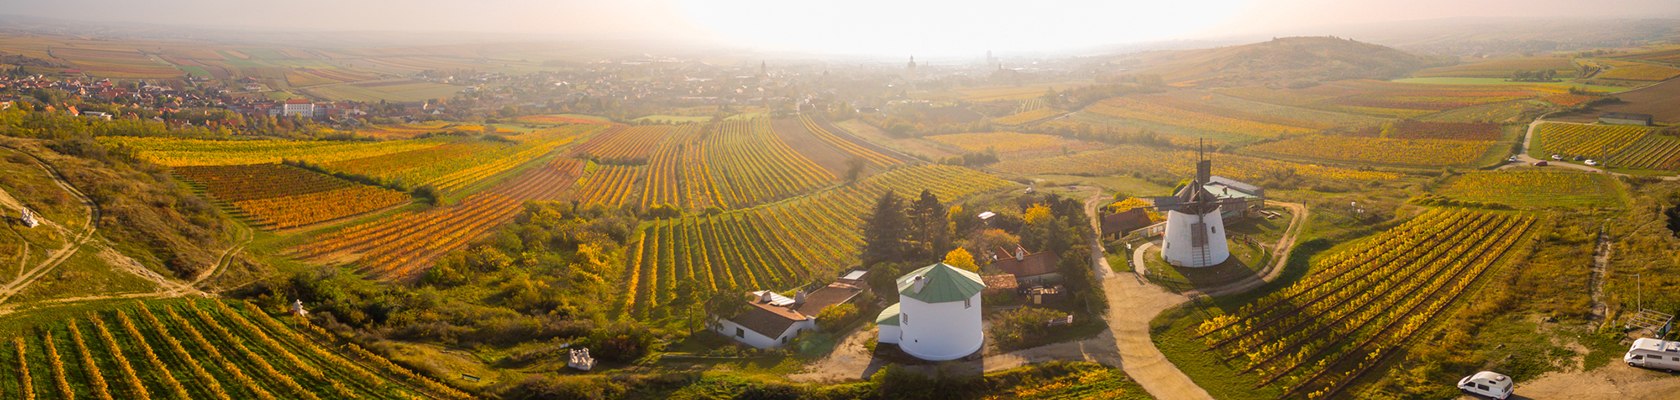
<point>799,298</point>
<point>918,283</point>
<point>1020,253</point>
<point>764,297</point>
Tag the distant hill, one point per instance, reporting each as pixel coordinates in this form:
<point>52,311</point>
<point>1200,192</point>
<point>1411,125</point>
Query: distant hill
<point>1279,61</point>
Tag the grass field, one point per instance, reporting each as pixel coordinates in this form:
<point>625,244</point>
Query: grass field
<point>1536,188</point>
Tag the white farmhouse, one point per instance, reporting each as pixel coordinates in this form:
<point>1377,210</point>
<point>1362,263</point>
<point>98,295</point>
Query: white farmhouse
<point>938,314</point>
<point>773,320</point>
<point>28,218</point>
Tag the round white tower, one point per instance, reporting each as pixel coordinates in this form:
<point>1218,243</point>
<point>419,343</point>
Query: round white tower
<point>1195,235</point>
<point>939,313</point>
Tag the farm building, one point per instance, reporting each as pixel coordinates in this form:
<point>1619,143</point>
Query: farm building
<point>1625,119</point>
<point>938,314</point>
<point>1027,268</point>
<point>1195,227</point>
<point>1120,224</point>
<point>773,319</point>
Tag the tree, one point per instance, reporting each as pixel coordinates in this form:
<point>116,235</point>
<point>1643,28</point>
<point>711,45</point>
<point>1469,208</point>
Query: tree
<point>960,258</point>
<point>685,294</point>
<point>833,317</point>
<point>930,230</point>
<point>725,303</point>
<point>885,230</point>
<point>854,168</point>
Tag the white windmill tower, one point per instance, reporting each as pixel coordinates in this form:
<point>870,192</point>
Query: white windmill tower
<point>1195,234</point>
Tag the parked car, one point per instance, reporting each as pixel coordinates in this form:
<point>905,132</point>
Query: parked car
<point>1487,383</point>
<point>1579,158</point>
<point>1590,162</point>
<point>1654,354</point>
<point>1557,157</point>
<point>1511,159</point>
<point>1540,163</point>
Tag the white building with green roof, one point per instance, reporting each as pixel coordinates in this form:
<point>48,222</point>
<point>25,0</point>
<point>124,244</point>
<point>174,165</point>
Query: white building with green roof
<point>938,314</point>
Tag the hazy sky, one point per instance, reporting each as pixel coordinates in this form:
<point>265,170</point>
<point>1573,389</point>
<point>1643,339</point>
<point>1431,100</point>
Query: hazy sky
<point>940,27</point>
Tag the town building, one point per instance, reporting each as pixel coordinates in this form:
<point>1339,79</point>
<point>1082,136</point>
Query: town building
<point>298,108</point>
<point>938,316</point>
<point>1028,268</point>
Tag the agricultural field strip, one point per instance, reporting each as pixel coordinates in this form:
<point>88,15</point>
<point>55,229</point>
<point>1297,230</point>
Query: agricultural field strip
<point>1287,336</point>
<point>283,196</point>
<point>1594,141</point>
<point>776,244</point>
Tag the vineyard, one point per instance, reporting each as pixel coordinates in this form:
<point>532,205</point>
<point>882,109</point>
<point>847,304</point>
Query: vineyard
<point>733,164</point>
<point>173,152</point>
<point>1011,142</point>
<point>1536,188</point>
<point>1412,129</point>
<point>1632,70</point>
<point>1210,120</point>
<point>1378,150</point>
<point>776,245</point>
<point>1130,158</point>
<point>1391,99</point>
<point>202,349</point>
<point>1363,303</point>
<point>404,245</point>
<point>1027,117</point>
<point>848,144</point>
<point>1593,141</point>
<point>462,162</point>
<point>282,196</point>
<point>625,145</point>
<point>1654,151</point>
<point>1503,68</point>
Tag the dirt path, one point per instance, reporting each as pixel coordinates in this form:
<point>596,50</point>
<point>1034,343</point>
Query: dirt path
<point>1600,267</point>
<point>1280,256</point>
<point>1615,381</point>
<point>227,257</point>
<point>55,257</point>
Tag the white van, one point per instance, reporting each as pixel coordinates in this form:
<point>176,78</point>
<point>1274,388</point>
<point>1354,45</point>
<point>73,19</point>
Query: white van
<point>1487,383</point>
<point>1654,354</point>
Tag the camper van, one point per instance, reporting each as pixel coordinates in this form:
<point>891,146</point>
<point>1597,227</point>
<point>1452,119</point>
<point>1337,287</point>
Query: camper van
<point>1491,384</point>
<point>1654,354</point>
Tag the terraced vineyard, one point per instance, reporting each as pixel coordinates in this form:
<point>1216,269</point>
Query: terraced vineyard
<point>676,174</point>
<point>778,244</point>
<point>1163,113</point>
<point>201,349</point>
<point>404,245</point>
<point>1363,303</point>
<point>750,165</point>
<point>1128,158</point>
<point>611,185</point>
<point>1594,141</point>
<point>282,196</point>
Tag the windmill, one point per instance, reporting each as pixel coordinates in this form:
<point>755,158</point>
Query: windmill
<point>1195,234</point>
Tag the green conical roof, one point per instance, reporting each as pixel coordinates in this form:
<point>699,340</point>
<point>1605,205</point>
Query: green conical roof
<point>943,283</point>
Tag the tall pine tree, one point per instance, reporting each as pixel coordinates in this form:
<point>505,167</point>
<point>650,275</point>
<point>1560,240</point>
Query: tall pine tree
<point>885,231</point>
<point>930,231</point>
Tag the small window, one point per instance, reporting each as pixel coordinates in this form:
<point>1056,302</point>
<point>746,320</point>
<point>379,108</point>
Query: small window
<point>1675,358</point>
<point>1481,386</point>
<point>740,332</point>
<point>1169,245</point>
<point>1639,357</point>
<point>1214,228</point>
<point>904,319</point>
<point>966,303</point>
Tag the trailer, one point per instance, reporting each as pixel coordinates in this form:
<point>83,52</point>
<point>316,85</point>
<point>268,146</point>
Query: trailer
<point>1654,354</point>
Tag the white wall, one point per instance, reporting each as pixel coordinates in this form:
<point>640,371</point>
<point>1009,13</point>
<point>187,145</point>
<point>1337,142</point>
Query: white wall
<point>886,334</point>
<point>1176,248</point>
<point>752,338</point>
<point>940,331</point>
